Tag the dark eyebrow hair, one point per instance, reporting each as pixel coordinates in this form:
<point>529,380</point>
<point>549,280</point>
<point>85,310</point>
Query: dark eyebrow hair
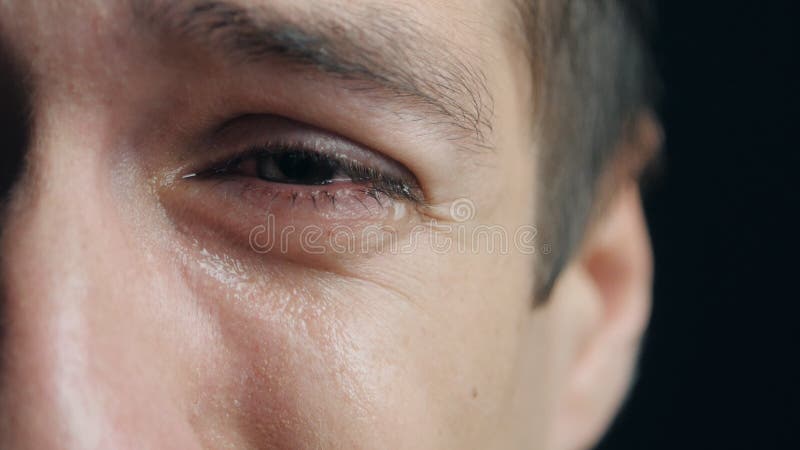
<point>384,47</point>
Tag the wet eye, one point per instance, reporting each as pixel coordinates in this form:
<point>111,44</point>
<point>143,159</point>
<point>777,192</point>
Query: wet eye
<point>301,167</point>
<point>295,167</point>
<point>280,155</point>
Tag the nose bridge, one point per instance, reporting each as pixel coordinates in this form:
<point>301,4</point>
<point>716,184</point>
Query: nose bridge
<point>60,308</point>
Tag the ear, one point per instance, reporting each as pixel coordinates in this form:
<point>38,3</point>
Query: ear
<point>599,310</point>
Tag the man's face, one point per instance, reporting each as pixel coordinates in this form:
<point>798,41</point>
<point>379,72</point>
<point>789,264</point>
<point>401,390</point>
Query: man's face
<point>190,257</point>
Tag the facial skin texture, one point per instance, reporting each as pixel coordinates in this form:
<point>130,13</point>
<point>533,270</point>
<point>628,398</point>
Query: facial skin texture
<point>136,313</point>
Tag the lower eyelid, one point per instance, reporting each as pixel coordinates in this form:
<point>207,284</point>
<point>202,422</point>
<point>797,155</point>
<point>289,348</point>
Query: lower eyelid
<point>230,210</point>
<point>340,202</point>
<point>343,200</point>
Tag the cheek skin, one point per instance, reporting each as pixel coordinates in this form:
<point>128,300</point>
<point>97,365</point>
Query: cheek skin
<point>303,358</point>
<point>300,359</point>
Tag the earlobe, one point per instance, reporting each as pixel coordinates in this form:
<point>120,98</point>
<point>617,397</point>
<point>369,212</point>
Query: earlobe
<point>601,306</point>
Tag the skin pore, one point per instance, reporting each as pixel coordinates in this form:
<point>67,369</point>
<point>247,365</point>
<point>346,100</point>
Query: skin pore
<point>138,314</point>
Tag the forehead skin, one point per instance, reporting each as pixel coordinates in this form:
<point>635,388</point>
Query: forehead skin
<point>419,350</point>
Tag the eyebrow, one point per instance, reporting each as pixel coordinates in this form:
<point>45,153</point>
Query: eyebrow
<point>384,47</point>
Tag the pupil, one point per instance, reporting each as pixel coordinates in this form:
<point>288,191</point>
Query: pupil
<point>306,169</point>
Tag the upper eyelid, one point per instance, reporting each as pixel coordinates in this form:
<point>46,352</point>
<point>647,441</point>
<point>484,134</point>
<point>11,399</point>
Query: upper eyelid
<point>228,163</point>
<point>251,133</point>
<point>261,151</point>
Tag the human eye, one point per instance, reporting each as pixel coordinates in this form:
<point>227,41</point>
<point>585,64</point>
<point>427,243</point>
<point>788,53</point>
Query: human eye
<point>305,168</point>
<point>298,174</point>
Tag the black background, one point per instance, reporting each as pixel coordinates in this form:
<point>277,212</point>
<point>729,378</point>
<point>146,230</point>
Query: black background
<point>717,369</point>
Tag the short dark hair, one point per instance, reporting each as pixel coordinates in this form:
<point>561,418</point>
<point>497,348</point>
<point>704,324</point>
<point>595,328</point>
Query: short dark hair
<point>593,76</point>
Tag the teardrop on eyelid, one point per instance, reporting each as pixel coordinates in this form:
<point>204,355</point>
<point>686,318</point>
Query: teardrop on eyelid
<point>459,210</point>
<point>399,211</point>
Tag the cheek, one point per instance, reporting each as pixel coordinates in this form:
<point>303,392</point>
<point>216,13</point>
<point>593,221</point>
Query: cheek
<point>281,353</point>
<point>302,358</point>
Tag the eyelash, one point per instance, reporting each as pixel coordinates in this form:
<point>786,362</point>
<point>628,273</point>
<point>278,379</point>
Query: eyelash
<point>374,181</point>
